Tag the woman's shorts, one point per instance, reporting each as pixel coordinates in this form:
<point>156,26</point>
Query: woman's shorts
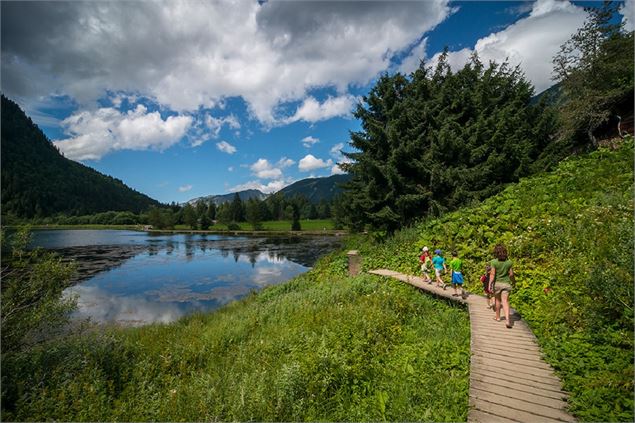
<point>437,272</point>
<point>424,269</point>
<point>500,287</point>
<point>457,278</point>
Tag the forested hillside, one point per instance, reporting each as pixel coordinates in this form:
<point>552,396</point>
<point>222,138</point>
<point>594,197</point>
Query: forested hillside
<point>316,190</point>
<point>38,181</point>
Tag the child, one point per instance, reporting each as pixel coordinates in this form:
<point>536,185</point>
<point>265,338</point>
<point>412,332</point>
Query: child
<point>439,265</point>
<point>426,261</point>
<point>457,277</point>
<point>487,287</point>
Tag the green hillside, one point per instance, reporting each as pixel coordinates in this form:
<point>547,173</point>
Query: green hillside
<point>570,235</point>
<point>38,181</point>
<point>325,346</point>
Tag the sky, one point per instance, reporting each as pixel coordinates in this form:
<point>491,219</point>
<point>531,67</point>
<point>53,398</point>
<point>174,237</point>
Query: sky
<point>182,99</point>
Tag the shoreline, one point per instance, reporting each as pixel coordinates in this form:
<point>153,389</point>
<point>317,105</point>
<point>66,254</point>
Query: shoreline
<point>139,228</point>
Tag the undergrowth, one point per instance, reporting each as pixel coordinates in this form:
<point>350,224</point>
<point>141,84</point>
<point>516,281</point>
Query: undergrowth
<point>320,347</point>
<point>570,236</point>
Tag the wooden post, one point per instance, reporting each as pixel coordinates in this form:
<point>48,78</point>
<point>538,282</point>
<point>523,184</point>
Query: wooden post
<point>354,262</point>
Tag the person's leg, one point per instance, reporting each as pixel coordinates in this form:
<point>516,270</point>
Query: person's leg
<point>497,307</point>
<point>505,301</point>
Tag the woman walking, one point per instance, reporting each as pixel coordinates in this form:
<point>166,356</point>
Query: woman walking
<point>501,278</point>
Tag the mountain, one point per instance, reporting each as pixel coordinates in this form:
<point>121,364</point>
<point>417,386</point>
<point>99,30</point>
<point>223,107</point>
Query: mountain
<point>316,189</point>
<point>553,95</point>
<point>220,199</point>
<point>39,181</point>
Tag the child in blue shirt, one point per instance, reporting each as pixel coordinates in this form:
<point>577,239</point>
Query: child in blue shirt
<point>439,265</point>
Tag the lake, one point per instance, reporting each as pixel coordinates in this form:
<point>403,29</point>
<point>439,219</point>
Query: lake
<point>135,278</point>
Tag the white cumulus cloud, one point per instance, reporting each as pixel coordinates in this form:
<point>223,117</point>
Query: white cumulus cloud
<point>264,170</point>
<point>310,162</point>
<point>285,162</point>
<point>226,147</point>
<point>530,42</point>
<point>185,188</point>
<point>93,134</point>
<point>313,111</point>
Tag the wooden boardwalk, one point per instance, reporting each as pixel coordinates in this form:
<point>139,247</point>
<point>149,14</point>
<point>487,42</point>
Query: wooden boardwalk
<point>509,380</point>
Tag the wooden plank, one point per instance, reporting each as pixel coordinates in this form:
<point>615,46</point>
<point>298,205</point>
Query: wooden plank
<point>508,412</point>
<point>510,390</point>
<point>530,386</point>
<point>534,363</point>
<point>510,374</point>
<point>539,411</point>
<point>478,416</point>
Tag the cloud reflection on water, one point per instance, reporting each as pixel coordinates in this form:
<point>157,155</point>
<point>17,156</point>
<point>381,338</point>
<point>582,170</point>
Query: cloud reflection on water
<point>171,276</point>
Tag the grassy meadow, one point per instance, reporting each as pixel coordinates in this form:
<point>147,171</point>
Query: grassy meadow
<point>321,347</point>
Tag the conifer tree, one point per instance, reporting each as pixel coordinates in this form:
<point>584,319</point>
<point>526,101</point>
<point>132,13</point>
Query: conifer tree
<point>438,139</point>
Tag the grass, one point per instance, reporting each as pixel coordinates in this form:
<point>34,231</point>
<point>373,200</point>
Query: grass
<point>321,347</point>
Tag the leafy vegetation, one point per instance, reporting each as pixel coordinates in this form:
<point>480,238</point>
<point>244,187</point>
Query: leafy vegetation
<point>570,236</point>
<point>38,181</point>
<point>320,347</point>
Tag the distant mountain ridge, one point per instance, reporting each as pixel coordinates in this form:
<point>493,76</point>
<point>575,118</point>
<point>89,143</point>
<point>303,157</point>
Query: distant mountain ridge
<point>313,189</point>
<point>225,198</point>
<point>39,181</point>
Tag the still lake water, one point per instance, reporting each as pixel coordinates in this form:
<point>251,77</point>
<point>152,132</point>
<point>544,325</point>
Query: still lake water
<point>134,278</point>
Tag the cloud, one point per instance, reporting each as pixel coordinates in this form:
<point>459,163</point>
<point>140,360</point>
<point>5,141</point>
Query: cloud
<point>191,54</point>
<point>530,42</point>
<point>411,62</point>
<point>336,153</point>
<point>216,124</point>
<point>285,162</point>
<point>628,13</point>
<point>313,111</point>
<point>93,134</point>
<point>230,169</point>
<point>310,162</point>
<point>337,170</point>
<point>185,188</point>
<point>263,169</point>
<point>309,141</point>
<point>226,147</point>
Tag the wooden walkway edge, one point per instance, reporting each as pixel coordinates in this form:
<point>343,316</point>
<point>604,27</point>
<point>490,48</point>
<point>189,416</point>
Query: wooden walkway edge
<point>509,380</point>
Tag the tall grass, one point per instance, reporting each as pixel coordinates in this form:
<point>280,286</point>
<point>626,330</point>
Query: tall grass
<point>320,347</point>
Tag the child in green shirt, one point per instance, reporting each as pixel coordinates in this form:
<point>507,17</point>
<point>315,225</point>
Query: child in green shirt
<point>456,264</point>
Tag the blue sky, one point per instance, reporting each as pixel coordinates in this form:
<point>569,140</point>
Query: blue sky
<point>181,99</point>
